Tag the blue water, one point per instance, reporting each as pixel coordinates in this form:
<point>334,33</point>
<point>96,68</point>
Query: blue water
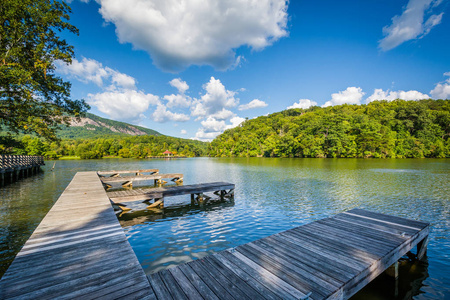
<point>272,195</point>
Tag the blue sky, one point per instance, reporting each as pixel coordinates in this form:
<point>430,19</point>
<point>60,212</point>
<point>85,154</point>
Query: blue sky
<point>191,68</point>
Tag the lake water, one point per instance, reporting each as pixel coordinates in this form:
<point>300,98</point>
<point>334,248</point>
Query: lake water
<point>272,195</point>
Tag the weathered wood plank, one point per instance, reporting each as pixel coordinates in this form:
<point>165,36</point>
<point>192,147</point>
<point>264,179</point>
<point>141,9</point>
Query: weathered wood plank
<point>140,177</point>
<point>76,253</point>
<point>127,171</point>
<point>161,192</point>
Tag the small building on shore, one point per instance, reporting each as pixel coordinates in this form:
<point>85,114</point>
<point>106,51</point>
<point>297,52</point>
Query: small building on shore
<point>168,153</point>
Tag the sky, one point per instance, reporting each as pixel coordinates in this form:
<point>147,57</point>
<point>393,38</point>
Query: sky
<point>194,68</point>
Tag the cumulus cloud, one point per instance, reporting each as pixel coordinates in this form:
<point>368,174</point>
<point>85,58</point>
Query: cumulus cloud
<point>125,105</point>
<point>212,127</point>
<point>255,103</point>
<point>352,95</point>
<point>414,22</point>
<point>179,33</point>
<point>162,115</point>
<point>303,103</point>
<point>183,131</point>
<point>89,70</point>
<point>215,99</point>
<point>379,94</point>
<point>180,85</point>
<point>442,89</point>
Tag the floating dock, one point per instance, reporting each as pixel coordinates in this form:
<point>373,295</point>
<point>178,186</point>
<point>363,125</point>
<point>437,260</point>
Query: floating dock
<point>128,180</point>
<point>79,251</point>
<point>157,194</point>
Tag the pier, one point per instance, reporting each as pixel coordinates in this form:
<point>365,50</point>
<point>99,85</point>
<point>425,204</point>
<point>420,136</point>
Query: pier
<point>157,194</point>
<point>79,251</point>
<point>128,180</point>
<point>14,167</point>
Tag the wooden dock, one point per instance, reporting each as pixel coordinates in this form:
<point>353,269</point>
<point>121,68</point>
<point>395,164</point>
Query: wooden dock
<point>78,251</point>
<point>13,167</point>
<point>195,190</point>
<point>331,258</point>
<point>136,172</point>
<point>128,180</point>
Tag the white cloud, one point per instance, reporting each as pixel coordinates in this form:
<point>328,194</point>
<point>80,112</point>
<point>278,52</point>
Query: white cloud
<point>224,114</point>
<point>379,94</point>
<point>214,100</point>
<point>178,100</point>
<point>410,24</point>
<point>442,89</point>
<point>303,103</point>
<point>162,115</point>
<point>124,105</point>
<point>235,121</point>
<point>89,70</point>
<point>255,103</point>
<point>212,127</point>
<point>183,131</point>
<point>180,85</point>
<point>179,33</point>
<point>352,95</point>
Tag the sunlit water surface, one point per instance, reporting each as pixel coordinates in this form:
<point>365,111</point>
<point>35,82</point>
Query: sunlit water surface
<point>272,195</point>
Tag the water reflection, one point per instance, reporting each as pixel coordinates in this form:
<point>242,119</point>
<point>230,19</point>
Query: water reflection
<point>271,195</point>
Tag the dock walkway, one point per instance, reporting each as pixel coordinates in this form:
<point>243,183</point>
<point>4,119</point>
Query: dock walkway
<point>332,258</point>
<point>78,251</point>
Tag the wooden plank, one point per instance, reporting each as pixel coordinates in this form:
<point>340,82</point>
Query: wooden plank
<point>225,282</point>
<point>389,218</point>
<point>161,192</point>
<point>127,171</point>
<point>197,282</point>
<point>257,286</point>
<point>210,281</point>
<point>185,284</point>
<point>285,272</point>
<point>140,177</point>
<point>172,285</point>
<point>158,286</point>
<point>260,275</point>
<point>234,279</point>
<point>74,253</point>
<point>314,280</point>
<point>281,283</point>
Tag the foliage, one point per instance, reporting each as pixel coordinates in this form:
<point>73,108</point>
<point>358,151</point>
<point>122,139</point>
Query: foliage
<point>126,147</point>
<point>380,129</point>
<point>32,98</point>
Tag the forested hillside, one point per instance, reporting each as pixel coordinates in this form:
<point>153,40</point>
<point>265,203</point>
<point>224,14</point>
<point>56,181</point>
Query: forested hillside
<point>126,147</point>
<point>380,129</point>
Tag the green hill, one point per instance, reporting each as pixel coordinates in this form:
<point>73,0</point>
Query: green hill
<point>93,126</point>
<point>380,129</point>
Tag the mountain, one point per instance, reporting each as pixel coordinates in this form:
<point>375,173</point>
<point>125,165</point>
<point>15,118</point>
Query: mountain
<point>93,126</point>
<point>380,129</point>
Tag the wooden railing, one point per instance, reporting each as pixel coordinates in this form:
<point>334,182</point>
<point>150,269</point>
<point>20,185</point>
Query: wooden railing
<point>11,162</point>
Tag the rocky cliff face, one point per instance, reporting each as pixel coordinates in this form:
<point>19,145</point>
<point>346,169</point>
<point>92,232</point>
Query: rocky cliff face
<point>91,124</point>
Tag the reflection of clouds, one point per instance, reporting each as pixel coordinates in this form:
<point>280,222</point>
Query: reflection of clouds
<point>273,195</point>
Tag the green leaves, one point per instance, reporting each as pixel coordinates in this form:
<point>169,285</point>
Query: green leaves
<point>380,129</point>
<point>32,98</point>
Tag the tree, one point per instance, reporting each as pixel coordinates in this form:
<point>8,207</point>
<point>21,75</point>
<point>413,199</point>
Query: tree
<point>32,98</point>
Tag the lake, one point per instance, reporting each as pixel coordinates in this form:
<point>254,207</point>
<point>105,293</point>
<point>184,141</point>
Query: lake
<point>272,195</point>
